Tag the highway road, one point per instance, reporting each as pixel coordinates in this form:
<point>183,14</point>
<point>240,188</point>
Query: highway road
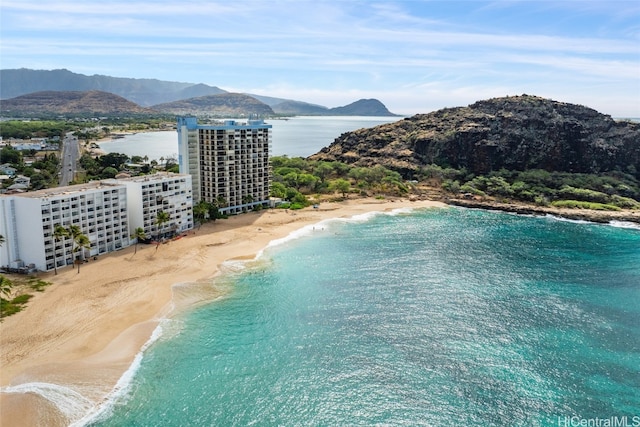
<point>70,158</point>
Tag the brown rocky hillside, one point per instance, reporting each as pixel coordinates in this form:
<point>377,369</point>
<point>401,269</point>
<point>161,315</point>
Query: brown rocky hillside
<point>516,133</point>
<point>224,104</point>
<point>70,102</point>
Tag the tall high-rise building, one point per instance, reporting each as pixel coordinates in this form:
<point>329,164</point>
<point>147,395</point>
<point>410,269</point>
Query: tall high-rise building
<point>228,162</point>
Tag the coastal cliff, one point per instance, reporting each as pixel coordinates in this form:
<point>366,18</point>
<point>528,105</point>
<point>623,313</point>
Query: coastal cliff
<point>515,133</point>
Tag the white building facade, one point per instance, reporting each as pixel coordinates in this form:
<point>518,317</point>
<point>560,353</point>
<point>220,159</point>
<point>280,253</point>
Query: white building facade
<point>28,221</point>
<point>228,162</point>
<point>106,212</point>
<point>150,194</point>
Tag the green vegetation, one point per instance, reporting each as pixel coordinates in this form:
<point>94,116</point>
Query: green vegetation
<point>139,235</point>
<point>204,211</point>
<point>109,165</point>
<point>294,179</point>
<point>38,128</point>
<point>300,182</point>
<point>43,167</point>
<point>12,304</point>
<point>577,204</point>
<point>617,189</point>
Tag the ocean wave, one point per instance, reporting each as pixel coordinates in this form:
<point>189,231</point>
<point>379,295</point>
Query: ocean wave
<point>234,265</point>
<point>613,223</point>
<point>68,401</point>
<point>563,219</point>
<point>625,224</point>
<point>104,409</point>
<point>326,224</point>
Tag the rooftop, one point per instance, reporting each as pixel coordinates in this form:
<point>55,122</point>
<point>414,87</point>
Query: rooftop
<point>95,185</point>
<point>70,189</point>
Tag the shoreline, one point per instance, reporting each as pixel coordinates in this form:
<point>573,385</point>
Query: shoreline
<point>74,341</point>
<point>596,216</point>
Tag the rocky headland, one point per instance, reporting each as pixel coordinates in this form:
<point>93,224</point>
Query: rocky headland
<point>522,154</point>
<point>515,133</point>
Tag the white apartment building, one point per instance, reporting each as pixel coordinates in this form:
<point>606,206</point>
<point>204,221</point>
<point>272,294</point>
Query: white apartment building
<point>228,162</point>
<point>149,194</point>
<point>106,211</point>
<point>28,220</point>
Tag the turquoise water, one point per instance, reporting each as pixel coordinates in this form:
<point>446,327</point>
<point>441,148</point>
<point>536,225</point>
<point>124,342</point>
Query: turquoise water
<point>439,317</point>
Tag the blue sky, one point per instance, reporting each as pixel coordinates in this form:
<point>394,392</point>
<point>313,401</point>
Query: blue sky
<point>414,56</point>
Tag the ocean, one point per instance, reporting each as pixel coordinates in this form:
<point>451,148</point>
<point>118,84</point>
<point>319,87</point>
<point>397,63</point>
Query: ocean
<point>295,137</point>
<point>434,317</point>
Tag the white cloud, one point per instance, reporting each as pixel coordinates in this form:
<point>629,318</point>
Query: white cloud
<point>413,56</point>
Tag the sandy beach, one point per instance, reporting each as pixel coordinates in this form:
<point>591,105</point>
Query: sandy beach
<point>75,340</point>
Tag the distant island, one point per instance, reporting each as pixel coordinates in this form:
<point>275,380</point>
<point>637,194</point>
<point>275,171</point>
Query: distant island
<point>151,96</point>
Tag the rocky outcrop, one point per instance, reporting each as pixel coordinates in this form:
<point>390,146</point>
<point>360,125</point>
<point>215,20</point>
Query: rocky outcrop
<point>223,105</point>
<point>362,107</point>
<point>70,103</point>
<point>516,133</point>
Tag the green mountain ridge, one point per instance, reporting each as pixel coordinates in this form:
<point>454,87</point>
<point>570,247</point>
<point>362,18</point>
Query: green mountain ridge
<point>71,103</point>
<point>151,92</point>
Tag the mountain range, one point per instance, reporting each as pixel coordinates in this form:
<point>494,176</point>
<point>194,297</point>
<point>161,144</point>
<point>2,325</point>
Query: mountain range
<point>156,95</point>
<point>57,103</point>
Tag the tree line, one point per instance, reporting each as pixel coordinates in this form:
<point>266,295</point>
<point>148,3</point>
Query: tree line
<point>296,178</point>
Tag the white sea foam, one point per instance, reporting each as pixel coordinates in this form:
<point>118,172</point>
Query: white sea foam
<point>68,401</point>
<point>575,221</point>
<point>625,224</point>
<point>325,225</point>
<point>614,223</point>
<point>103,409</point>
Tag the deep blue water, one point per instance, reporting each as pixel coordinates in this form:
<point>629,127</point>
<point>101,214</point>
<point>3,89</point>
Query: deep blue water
<point>439,317</point>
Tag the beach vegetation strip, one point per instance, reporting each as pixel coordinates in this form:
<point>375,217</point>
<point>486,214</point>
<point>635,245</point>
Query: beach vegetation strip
<point>16,292</point>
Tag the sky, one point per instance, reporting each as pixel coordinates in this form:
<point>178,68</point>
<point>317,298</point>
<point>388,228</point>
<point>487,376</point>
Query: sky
<point>414,56</point>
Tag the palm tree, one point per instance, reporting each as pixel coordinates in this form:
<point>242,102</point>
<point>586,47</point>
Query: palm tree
<point>200,211</point>
<point>221,202</point>
<point>5,286</point>
<point>138,234</point>
<point>73,231</point>
<point>59,233</point>
<point>162,217</point>
<point>82,242</point>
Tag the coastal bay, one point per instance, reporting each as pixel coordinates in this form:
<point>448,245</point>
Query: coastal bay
<point>75,340</point>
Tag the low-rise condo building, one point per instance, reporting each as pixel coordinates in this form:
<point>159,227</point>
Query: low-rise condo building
<point>228,162</point>
<point>105,211</point>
